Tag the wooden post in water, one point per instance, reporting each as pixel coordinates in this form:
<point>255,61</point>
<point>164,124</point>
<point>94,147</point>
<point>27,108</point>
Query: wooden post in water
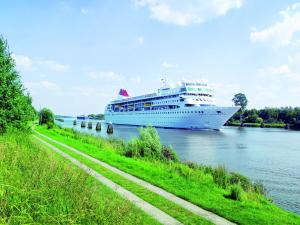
<point>98,126</point>
<point>110,129</point>
<point>74,122</point>
<point>83,124</point>
<point>90,125</point>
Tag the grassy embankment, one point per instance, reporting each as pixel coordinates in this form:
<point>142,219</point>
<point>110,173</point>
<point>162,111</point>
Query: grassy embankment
<point>38,186</point>
<point>227,194</point>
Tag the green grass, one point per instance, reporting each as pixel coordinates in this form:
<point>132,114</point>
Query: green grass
<point>165,205</point>
<point>38,186</point>
<point>191,184</point>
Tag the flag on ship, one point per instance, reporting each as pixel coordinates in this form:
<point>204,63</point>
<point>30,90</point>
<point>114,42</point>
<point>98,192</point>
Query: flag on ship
<point>123,93</point>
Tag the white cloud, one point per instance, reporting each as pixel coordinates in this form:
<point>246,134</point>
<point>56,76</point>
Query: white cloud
<point>167,65</point>
<point>184,13</point>
<point>44,85</point>
<point>280,73</point>
<point>52,65</point>
<point>106,75</point>
<point>23,61</point>
<point>26,63</point>
<point>84,11</point>
<point>282,32</point>
<point>283,69</point>
<point>140,40</point>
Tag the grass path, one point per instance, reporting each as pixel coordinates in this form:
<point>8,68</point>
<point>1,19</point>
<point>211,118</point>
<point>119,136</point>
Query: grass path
<point>39,186</point>
<point>171,197</point>
<point>159,215</point>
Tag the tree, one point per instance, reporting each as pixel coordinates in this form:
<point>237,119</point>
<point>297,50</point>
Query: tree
<point>46,116</point>
<point>240,99</point>
<point>16,109</point>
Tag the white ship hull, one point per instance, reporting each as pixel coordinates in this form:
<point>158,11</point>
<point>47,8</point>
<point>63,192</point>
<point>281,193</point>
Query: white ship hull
<point>198,117</point>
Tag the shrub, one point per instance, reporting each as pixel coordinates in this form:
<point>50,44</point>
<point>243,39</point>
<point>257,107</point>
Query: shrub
<point>169,154</point>
<point>46,117</point>
<point>150,144</point>
<point>192,165</point>
<point>183,170</point>
<point>220,176</point>
<point>133,148</point>
<point>236,193</point>
<point>236,178</point>
<point>206,169</point>
<point>259,188</point>
<point>50,125</point>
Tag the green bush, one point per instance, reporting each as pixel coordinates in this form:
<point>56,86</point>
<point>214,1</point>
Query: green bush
<point>192,165</point>
<point>236,178</point>
<point>236,193</point>
<point>259,188</point>
<point>46,117</point>
<point>183,170</point>
<point>133,148</point>
<point>220,176</point>
<point>150,145</point>
<point>169,154</point>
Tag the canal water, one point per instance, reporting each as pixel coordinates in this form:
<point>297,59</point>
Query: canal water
<point>266,154</point>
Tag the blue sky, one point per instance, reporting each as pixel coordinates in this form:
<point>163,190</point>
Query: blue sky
<point>74,56</point>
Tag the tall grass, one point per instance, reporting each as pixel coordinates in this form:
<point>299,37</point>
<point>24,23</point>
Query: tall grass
<point>39,187</point>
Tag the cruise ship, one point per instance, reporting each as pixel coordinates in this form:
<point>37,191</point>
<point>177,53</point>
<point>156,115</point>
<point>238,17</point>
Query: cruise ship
<point>188,105</point>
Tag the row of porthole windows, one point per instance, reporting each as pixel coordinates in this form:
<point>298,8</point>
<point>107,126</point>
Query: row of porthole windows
<point>162,102</point>
<point>136,121</point>
<point>142,113</point>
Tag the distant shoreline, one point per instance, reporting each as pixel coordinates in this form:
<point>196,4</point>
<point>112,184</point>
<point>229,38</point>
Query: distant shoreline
<point>261,125</point>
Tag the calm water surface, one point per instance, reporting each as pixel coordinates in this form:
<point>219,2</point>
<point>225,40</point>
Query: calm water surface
<point>269,155</point>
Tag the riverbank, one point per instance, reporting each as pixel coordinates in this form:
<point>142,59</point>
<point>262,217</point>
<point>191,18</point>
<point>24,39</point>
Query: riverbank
<point>229,195</point>
<point>38,186</point>
<point>260,125</point>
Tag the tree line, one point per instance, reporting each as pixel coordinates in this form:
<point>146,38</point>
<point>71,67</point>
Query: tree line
<point>285,116</point>
<point>16,110</point>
